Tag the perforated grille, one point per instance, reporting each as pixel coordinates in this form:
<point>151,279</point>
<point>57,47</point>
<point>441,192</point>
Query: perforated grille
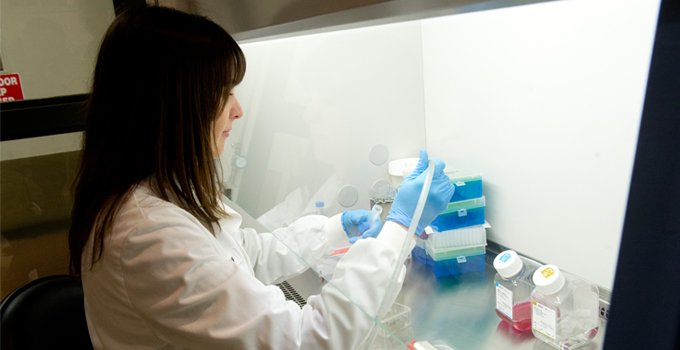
<point>291,294</point>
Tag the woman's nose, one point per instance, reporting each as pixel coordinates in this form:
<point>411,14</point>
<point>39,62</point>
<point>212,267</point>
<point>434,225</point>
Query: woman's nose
<point>237,111</point>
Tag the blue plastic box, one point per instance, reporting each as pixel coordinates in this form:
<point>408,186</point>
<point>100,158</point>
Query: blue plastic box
<point>455,266</point>
<point>460,214</point>
<point>468,184</point>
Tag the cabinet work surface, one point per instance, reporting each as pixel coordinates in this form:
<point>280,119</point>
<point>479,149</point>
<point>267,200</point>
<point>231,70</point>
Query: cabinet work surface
<point>459,311</point>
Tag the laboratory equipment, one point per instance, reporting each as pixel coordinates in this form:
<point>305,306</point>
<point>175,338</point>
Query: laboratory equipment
<point>320,210</point>
<point>458,262</point>
<point>393,288</point>
<point>379,154</point>
<point>449,253</point>
<point>439,244</point>
<point>423,345</point>
<point>396,322</point>
<point>374,215</point>
<point>564,308</point>
<point>460,214</point>
<point>468,184</point>
<point>383,195</point>
<point>348,196</point>
<point>238,161</point>
<point>399,169</point>
<point>513,289</point>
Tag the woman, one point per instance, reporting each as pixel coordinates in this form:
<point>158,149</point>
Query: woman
<point>164,263</point>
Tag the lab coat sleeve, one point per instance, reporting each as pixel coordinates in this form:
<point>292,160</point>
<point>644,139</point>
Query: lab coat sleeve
<point>289,251</point>
<point>360,283</point>
<point>192,295</point>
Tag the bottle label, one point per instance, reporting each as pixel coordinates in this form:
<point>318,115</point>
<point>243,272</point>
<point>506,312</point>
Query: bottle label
<point>504,300</point>
<point>544,320</point>
<point>505,257</point>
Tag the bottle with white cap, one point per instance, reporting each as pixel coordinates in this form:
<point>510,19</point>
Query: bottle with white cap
<point>513,289</point>
<point>564,308</point>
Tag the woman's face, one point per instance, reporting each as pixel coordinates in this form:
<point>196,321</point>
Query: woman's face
<point>231,112</point>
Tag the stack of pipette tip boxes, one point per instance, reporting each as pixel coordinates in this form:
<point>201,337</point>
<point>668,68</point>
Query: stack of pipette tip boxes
<point>456,239</point>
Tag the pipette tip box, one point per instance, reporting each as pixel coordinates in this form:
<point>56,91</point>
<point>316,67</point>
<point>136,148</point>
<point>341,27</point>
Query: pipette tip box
<point>468,184</point>
<point>441,245</point>
<point>463,262</point>
<point>460,214</point>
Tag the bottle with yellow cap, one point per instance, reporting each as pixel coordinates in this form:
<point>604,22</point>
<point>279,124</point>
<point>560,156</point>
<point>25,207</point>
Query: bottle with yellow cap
<point>564,308</point>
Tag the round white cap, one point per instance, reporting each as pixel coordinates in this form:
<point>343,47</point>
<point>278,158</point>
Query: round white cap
<point>508,264</point>
<point>397,167</point>
<point>548,279</point>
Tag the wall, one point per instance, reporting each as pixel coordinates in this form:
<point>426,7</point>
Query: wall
<point>544,100</point>
<point>52,44</point>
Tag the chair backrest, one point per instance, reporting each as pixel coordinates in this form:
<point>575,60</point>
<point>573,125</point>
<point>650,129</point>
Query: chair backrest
<point>44,314</point>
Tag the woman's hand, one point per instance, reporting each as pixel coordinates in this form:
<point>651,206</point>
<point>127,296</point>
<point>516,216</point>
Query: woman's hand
<point>351,221</point>
<point>405,202</point>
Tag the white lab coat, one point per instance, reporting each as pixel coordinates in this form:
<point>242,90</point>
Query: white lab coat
<point>165,282</point>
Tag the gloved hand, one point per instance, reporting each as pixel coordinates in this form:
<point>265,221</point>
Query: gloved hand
<point>441,191</point>
<point>352,219</point>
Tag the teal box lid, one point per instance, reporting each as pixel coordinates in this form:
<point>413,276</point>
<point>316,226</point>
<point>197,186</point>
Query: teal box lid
<point>466,204</point>
<point>464,175</point>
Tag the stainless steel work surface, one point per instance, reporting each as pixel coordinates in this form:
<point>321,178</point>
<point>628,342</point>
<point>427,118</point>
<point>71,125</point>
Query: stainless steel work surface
<point>459,311</point>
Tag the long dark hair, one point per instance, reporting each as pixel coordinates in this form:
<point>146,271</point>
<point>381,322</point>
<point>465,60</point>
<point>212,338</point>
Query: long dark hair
<point>162,78</point>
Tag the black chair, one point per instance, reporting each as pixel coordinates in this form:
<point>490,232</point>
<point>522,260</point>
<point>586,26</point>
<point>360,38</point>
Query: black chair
<point>44,314</point>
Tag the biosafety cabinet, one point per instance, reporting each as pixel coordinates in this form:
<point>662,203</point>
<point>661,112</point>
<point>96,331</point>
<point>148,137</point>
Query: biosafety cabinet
<point>567,108</point>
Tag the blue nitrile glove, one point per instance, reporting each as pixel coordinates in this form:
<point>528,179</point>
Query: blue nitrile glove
<point>441,190</point>
<point>352,219</point>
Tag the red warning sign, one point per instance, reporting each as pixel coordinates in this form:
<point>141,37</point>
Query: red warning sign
<point>10,88</point>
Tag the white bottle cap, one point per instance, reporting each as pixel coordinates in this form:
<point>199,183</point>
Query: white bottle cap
<point>401,168</point>
<point>548,279</point>
<point>508,264</point>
